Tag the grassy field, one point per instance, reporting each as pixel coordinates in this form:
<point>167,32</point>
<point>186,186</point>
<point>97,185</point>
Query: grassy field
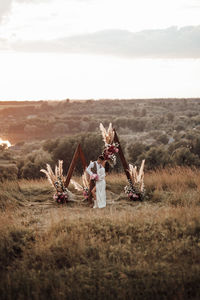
<point>129,250</point>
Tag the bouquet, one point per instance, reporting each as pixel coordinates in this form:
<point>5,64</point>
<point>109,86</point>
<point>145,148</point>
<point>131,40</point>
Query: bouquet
<point>94,177</point>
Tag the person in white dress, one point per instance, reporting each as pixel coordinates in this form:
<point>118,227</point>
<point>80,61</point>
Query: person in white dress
<point>99,190</point>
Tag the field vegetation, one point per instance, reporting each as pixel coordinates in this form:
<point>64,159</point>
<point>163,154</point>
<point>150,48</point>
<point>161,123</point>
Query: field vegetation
<point>129,250</point>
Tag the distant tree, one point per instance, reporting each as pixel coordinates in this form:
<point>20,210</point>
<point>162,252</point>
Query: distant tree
<point>61,129</point>
<point>196,147</point>
<point>92,146</point>
<point>163,139</point>
<point>30,171</point>
<point>135,112</point>
<point>135,150</point>
<point>84,126</point>
<point>170,117</point>
<point>143,112</point>
<point>8,172</point>
<point>179,127</point>
<point>184,157</point>
<point>93,126</point>
<point>49,145</point>
<point>122,122</point>
<point>136,125</point>
<point>30,129</point>
<point>181,143</point>
<point>33,163</point>
<point>156,157</point>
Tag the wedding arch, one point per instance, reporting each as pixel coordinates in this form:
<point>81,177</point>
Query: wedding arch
<point>80,154</point>
<point>135,189</point>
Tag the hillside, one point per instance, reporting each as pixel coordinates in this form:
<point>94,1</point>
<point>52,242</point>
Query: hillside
<point>166,132</point>
<point>129,250</point>
<point>22,121</point>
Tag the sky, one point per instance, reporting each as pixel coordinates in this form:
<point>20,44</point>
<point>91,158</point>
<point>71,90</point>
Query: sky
<point>83,49</point>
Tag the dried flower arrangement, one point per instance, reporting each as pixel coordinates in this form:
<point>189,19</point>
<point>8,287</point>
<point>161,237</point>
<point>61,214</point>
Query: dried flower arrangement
<point>111,148</point>
<point>135,188</point>
<point>57,180</point>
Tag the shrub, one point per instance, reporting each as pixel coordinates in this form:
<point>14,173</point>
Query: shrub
<point>184,157</point>
<point>91,144</point>
<point>8,172</point>
<point>156,157</point>
<point>163,139</point>
<point>135,150</point>
<point>30,167</point>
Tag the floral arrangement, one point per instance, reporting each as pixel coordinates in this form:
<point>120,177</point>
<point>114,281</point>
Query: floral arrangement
<point>61,197</point>
<point>86,184</point>
<point>135,188</point>
<point>57,180</point>
<point>94,177</point>
<point>111,148</point>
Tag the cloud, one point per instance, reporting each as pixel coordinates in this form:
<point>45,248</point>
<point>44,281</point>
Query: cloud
<point>165,43</point>
<point>31,1</point>
<point>4,45</point>
<point>5,6</point>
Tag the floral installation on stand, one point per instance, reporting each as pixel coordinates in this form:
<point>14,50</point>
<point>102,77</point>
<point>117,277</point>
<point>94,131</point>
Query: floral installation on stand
<point>135,188</point>
<point>86,184</point>
<point>57,180</point>
<point>111,148</point>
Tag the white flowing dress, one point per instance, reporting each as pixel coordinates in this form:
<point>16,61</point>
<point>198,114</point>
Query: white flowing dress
<point>100,185</point>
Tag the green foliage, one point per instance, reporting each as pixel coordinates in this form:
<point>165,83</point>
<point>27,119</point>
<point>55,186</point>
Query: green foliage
<point>136,124</point>
<point>8,172</point>
<point>170,117</point>
<point>163,139</point>
<point>184,157</point>
<point>64,149</point>
<point>33,163</point>
<point>51,125</point>
<point>156,157</point>
<point>196,146</point>
<point>135,150</point>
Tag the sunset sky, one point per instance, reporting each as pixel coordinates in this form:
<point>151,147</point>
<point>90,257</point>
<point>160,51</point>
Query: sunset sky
<point>80,49</point>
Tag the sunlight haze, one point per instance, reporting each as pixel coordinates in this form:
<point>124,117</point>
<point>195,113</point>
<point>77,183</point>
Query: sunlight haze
<point>99,49</point>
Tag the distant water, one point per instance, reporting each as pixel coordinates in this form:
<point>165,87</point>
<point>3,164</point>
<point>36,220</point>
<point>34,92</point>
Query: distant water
<point>27,76</point>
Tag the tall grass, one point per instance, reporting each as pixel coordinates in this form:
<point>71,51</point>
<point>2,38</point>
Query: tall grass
<point>146,250</point>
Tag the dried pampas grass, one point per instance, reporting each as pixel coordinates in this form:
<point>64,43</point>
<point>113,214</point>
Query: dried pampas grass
<point>76,185</point>
<point>108,135</point>
<point>53,178</point>
<point>85,180</point>
<point>137,178</point>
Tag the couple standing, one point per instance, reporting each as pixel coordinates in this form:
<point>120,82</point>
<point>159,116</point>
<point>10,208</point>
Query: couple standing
<point>97,172</point>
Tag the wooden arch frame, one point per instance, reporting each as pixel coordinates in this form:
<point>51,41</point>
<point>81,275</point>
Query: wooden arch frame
<point>79,153</point>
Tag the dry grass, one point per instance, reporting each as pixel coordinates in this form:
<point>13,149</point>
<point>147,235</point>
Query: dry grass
<point>147,250</point>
